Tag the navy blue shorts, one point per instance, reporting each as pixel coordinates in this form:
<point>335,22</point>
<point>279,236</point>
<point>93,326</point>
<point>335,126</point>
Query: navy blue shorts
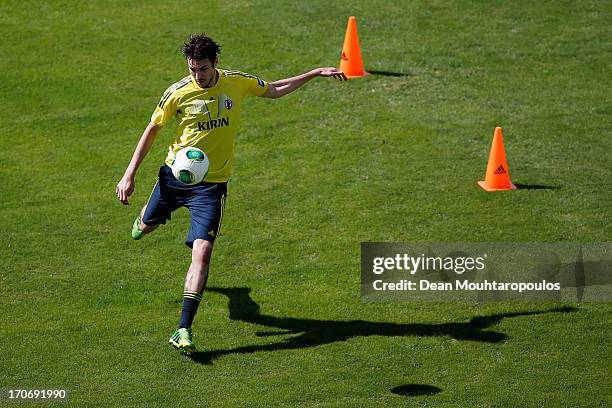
<point>205,202</point>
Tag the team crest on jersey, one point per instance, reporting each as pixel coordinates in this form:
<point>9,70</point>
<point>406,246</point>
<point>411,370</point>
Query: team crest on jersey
<point>228,104</point>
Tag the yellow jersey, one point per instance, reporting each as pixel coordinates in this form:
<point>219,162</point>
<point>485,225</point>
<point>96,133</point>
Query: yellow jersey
<point>207,118</point>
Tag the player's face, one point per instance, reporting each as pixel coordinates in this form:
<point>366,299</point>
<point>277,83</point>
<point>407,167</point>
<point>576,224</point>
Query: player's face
<point>203,71</point>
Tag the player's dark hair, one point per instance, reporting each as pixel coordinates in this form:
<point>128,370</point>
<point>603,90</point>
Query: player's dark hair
<point>201,46</point>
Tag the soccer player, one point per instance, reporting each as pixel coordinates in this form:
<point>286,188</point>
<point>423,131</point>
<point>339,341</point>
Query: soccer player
<point>206,106</point>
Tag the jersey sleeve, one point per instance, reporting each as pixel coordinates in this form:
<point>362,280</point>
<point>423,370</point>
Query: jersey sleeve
<point>166,108</point>
<point>251,85</point>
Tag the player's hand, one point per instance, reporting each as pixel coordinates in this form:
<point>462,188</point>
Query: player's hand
<point>124,189</point>
<point>332,72</point>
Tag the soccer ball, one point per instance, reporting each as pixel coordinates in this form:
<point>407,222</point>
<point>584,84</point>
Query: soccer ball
<point>190,165</point>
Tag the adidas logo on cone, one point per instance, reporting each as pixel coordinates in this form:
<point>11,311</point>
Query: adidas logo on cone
<point>497,177</point>
<point>500,170</point>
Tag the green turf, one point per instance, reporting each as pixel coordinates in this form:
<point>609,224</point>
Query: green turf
<point>382,158</point>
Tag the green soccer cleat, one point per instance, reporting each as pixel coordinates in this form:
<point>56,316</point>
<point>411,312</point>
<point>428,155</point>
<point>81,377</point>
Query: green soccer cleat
<point>181,339</point>
<point>136,232</point>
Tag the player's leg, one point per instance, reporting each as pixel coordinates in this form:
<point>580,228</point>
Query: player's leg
<point>197,275</point>
<point>140,228</point>
<point>156,211</point>
<point>206,209</point>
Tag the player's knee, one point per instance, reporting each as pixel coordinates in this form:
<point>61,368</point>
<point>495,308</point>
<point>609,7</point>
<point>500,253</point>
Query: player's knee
<point>202,250</point>
<point>147,228</point>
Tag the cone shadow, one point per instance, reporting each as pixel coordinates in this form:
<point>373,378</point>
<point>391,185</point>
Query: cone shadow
<point>388,73</point>
<point>535,187</point>
<point>415,390</point>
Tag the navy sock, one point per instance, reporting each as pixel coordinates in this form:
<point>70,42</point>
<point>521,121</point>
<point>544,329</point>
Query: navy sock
<point>191,301</point>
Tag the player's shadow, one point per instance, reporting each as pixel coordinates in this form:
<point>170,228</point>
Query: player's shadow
<point>302,333</point>
<point>415,390</point>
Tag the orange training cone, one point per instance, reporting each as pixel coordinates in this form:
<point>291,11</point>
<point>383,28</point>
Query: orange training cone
<point>497,177</point>
<point>350,61</point>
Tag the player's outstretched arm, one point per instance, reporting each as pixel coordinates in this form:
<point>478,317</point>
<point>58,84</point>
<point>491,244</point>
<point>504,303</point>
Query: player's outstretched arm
<point>282,87</point>
<point>126,185</point>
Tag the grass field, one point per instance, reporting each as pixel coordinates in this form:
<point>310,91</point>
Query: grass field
<point>382,158</point>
